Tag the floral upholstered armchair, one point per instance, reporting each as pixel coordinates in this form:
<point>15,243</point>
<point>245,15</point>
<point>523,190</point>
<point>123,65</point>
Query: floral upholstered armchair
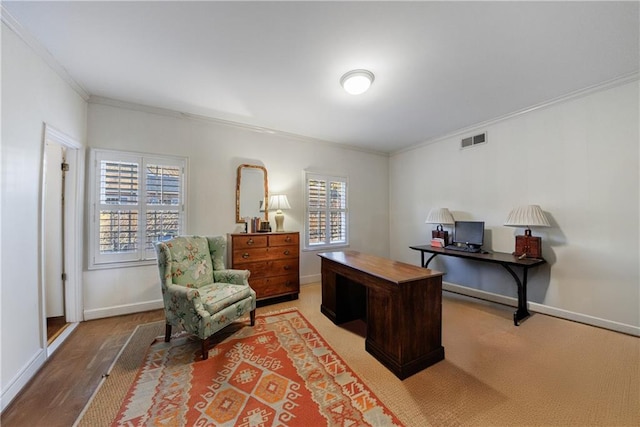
<point>199,293</point>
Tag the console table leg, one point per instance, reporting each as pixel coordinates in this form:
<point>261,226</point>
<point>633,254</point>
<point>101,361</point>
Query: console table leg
<point>426,264</point>
<point>522,312</point>
<point>520,315</point>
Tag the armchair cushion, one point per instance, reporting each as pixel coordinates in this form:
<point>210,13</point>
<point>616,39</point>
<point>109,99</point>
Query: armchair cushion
<point>217,296</point>
<point>191,264</point>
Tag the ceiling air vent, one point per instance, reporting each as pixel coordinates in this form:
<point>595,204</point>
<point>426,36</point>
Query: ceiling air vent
<point>473,140</point>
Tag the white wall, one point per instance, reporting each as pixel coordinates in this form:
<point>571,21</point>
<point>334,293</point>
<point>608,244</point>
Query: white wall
<point>214,151</point>
<point>578,160</point>
<point>32,94</point>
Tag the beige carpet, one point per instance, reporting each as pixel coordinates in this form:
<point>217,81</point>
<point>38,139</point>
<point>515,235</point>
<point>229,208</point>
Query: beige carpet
<point>106,401</point>
<point>546,372</point>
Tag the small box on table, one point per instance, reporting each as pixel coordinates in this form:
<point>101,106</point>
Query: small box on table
<point>528,247</point>
<point>440,234</point>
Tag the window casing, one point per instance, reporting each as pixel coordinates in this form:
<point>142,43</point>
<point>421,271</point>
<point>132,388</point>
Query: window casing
<point>136,201</point>
<point>327,215</point>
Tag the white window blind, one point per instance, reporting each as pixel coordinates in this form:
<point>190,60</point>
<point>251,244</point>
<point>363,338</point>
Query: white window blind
<point>137,201</point>
<point>326,222</point>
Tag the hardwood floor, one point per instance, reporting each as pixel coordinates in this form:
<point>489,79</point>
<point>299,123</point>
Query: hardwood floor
<point>55,326</point>
<point>60,390</point>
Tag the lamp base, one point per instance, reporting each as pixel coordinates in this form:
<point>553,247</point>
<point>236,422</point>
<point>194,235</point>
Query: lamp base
<point>528,246</point>
<point>279,222</point>
<point>440,234</point>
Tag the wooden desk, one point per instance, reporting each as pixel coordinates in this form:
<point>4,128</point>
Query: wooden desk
<point>504,259</point>
<point>401,303</point>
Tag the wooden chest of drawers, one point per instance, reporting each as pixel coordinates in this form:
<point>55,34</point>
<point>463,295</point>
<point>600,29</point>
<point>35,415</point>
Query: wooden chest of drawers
<point>272,258</point>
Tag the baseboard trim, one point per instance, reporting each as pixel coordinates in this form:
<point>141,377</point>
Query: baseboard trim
<point>22,378</point>
<point>119,310</point>
<point>545,309</point>
<point>61,338</point>
<point>313,278</point>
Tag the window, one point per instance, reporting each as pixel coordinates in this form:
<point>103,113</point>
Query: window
<point>136,200</point>
<point>327,219</point>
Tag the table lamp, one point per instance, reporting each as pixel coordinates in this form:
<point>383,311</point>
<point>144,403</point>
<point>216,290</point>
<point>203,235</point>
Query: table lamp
<point>279,202</point>
<point>527,216</point>
<point>440,216</point>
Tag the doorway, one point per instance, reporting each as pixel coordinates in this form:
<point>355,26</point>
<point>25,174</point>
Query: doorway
<point>55,169</point>
<point>61,231</point>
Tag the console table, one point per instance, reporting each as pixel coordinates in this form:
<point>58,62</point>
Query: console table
<point>504,259</point>
<point>401,303</point>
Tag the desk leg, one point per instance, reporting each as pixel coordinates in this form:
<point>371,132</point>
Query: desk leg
<point>522,312</point>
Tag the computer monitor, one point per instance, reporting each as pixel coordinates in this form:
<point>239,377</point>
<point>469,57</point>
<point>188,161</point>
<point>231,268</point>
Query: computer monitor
<point>469,233</point>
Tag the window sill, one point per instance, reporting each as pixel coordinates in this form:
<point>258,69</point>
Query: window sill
<point>325,248</point>
<point>122,264</point>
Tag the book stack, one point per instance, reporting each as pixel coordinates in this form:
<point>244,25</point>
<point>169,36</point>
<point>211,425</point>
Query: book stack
<point>437,243</point>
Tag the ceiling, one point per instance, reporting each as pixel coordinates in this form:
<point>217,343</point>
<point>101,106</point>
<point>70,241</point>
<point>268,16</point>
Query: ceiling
<point>439,66</point>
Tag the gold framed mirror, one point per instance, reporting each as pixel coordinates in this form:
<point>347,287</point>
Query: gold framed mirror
<point>251,192</point>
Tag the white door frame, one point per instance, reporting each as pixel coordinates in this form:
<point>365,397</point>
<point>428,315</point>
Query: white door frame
<point>73,211</point>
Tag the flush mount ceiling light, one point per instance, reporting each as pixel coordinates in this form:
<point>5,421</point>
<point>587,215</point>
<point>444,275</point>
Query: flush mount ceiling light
<point>356,82</point>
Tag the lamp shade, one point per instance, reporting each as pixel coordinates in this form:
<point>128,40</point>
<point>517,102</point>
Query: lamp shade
<point>279,202</point>
<point>527,216</point>
<point>439,216</point>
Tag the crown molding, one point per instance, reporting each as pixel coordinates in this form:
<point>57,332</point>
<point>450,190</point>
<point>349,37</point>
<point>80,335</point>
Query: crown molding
<point>609,84</point>
<point>41,51</point>
<point>100,100</point>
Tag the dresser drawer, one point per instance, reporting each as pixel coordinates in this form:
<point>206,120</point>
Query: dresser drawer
<point>272,258</point>
<point>249,241</point>
<point>274,286</point>
<point>258,270</point>
<point>272,268</point>
<point>281,252</point>
<point>243,256</point>
<point>285,266</point>
<point>283,239</point>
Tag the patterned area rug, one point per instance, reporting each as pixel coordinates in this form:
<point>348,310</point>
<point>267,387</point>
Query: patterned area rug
<point>279,372</point>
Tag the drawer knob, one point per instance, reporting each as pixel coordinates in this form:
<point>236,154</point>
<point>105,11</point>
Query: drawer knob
<point>287,267</point>
<point>250,242</point>
<point>287,252</point>
<point>245,255</point>
<point>287,239</point>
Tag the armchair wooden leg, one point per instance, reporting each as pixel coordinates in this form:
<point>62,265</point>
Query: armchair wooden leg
<point>252,316</point>
<point>167,333</point>
<point>205,348</point>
